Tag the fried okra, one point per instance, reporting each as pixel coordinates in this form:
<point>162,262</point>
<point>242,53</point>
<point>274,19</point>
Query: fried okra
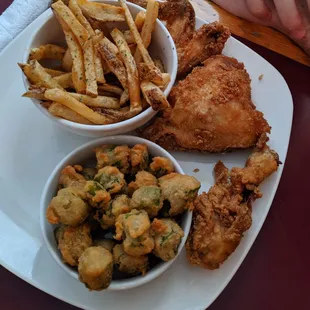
<point>139,158</point>
<point>148,198</point>
<point>167,236</point>
<point>67,208</point>
<point>73,241</point>
<point>96,194</point>
<point>120,205</point>
<point>96,268</point>
<point>133,228</point>
<point>89,173</point>
<point>111,179</point>
<point>106,243</point>
<point>70,177</point>
<point>161,166</point>
<point>112,155</point>
<point>180,190</point>
<point>143,178</point>
<point>127,263</point>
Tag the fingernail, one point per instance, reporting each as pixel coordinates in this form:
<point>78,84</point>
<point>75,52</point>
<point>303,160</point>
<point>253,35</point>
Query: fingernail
<point>298,33</point>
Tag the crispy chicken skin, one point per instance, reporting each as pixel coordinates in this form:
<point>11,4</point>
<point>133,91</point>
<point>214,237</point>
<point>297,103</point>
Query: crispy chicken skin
<point>211,111</point>
<point>222,215</point>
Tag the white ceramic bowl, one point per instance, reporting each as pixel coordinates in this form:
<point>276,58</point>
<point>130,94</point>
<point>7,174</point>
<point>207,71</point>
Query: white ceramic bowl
<point>80,155</point>
<point>162,46</point>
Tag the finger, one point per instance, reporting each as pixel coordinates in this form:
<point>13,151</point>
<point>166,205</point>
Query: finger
<point>290,18</point>
<point>259,9</point>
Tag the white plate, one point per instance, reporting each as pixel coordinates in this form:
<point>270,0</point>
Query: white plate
<point>31,146</point>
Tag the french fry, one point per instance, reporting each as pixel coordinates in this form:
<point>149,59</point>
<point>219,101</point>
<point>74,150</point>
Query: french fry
<point>65,80</point>
<point>128,36</point>
<point>101,11</point>
<point>99,66</point>
<point>66,15</point>
<point>166,81</point>
<point>159,64</point>
<point>35,93</point>
<point>37,75</point>
<point>139,20</point>
<point>89,65</point>
<point>154,96</point>
<point>47,51</point>
<point>70,102</point>
<point>78,71</point>
<point>132,71</point>
<point>121,114</point>
<point>98,102</point>
<point>124,97</point>
<point>67,61</point>
<point>148,26</point>
<point>144,53</point>
<point>133,48</point>
<point>76,10</point>
<point>111,89</point>
<point>53,72</point>
<point>62,111</point>
<point>107,51</point>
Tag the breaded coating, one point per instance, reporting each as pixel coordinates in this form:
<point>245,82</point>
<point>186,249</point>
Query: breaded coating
<point>96,194</point>
<point>70,177</point>
<point>96,268</point>
<point>143,178</point>
<point>139,158</point>
<point>161,166</point>
<point>211,111</point>
<point>73,241</point>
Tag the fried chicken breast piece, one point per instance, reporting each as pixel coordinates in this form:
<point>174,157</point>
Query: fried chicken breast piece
<point>211,111</point>
<point>222,215</point>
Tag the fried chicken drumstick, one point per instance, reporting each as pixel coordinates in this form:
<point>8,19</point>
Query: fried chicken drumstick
<point>222,215</point>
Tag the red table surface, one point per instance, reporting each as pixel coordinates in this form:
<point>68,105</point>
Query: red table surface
<point>276,273</point>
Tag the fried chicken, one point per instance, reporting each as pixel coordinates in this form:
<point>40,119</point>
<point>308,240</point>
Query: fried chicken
<point>222,215</point>
<point>193,47</point>
<point>211,110</point>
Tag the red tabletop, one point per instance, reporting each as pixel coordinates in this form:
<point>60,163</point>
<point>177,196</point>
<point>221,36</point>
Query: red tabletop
<point>276,272</point>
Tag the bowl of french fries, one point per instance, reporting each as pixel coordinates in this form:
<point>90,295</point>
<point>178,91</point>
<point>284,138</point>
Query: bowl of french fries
<point>100,68</point>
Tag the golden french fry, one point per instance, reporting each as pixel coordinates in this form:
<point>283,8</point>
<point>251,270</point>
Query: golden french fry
<point>154,96</point>
<point>67,61</point>
<point>107,51</point>
<point>47,51</point>
<point>37,75</point>
<point>121,114</point>
<point>128,36</point>
<point>139,20</point>
<point>46,104</point>
<point>98,102</point>
<point>133,48</point>
<point>53,72</point>
<point>166,81</point>
<point>132,71</point>
<point>62,111</point>
<point>36,93</point>
<point>110,89</point>
<point>159,64</point>
<point>76,10</point>
<point>66,15</point>
<point>148,26</point>
<point>78,71</point>
<point>70,102</point>
<point>144,53</point>
<point>101,11</point>
<point>65,80</point>
<point>124,97</point>
<point>90,72</point>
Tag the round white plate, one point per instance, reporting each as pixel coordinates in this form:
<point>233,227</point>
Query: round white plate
<point>31,146</point>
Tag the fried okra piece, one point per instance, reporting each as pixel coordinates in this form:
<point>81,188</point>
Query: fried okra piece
<point>111,179</point>
<point>70,177</point>
<point>107,216</point>
<point>161,166</point>
<point>112,155</point>
<point>96,194</point>
<point>167,236</point>
<point>180,190</point>
<point>134,228</point>
<point>96,268</point>
<point>133,224</point>
<point>139,158</point>
<point>67,208</point>
<point>89,173</point>
<point>133,265</point>
<point>143,178</point>
<point>106,243</point>
<point>73,241</point>
<point>148,198</point>
<point>142,245</point>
